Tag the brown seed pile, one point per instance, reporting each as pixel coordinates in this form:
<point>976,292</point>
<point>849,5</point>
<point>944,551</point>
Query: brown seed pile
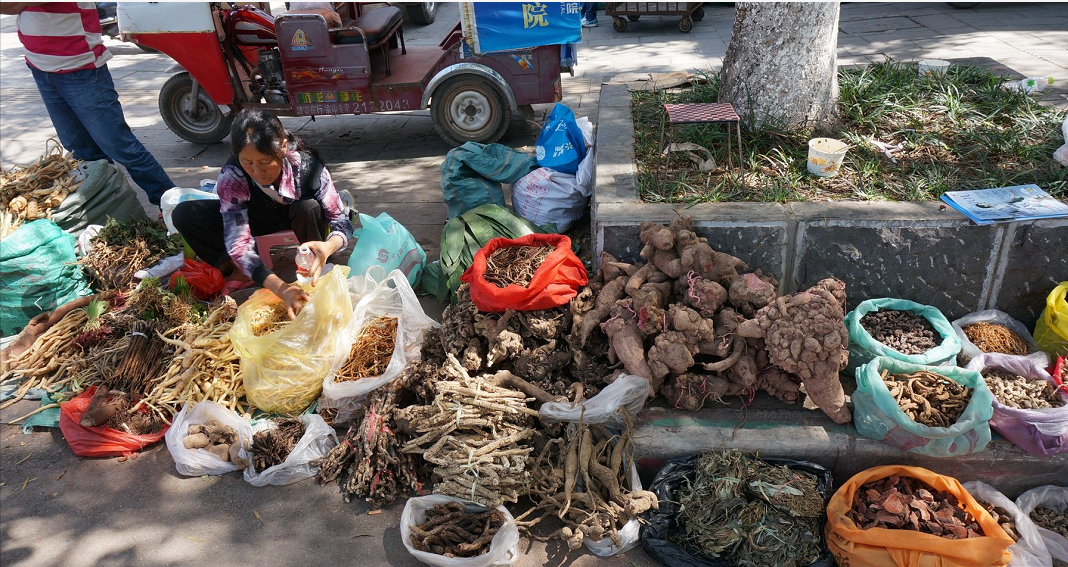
<point>515,264</point>
<point>1019,392</point>
<point>903,331</point>
<point>928,398</point>
<point>1051,520</point>
<point>271,446</point>
<point>989,337</point>
<point>904,503</point>
<point>451,531</point>
<point>1003,517</point>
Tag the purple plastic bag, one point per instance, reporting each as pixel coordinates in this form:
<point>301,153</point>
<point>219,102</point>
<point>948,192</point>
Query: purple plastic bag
<point>1040,432</point>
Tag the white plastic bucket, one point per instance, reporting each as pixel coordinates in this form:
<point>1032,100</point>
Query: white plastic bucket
<point>930,67</point>
<point>825,156</point>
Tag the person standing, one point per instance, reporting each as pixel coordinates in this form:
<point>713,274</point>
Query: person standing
<point>589,14</point>
<point>67,56</point>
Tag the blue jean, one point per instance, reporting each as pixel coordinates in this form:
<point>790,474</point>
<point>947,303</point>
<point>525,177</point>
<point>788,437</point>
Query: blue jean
<point>86,113</point>
<point>589,11</point>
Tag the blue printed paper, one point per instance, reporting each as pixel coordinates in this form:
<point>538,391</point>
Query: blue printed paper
<point>502,26</point>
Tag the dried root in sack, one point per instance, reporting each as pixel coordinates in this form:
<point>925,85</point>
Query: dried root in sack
<point>1018,392</point>
<point>371,351</point>
<point>450,531</point>
<point>900,502</point>
<point>271,447</point>
<point>269,317</point>
<point>477,434</point>
<point>515,265</point>
<point>750,513</point>
<point>903,331</point>
<point>1050,519</point>
<point>120,249</point>
<point>1003,518</point>
<point>28,193</point>
<point>991,337</point>
<point>928,398</point>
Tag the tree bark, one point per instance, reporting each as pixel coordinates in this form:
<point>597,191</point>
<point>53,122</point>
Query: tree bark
<point>781,64</point>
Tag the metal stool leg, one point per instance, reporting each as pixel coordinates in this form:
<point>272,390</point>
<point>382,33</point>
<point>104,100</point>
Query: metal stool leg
<point>741,156</point>
<point>662,162</point>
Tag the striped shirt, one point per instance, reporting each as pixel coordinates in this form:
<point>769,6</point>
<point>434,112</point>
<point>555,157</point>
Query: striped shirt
<point>60,37</point>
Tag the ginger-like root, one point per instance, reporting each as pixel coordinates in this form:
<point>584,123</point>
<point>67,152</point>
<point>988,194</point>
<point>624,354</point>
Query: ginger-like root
<point>611,268</point>
<point>706,296</point>
<point>690,391</point>
<point>627,344</point>
<point>606,299</point>
<point>751,289</point>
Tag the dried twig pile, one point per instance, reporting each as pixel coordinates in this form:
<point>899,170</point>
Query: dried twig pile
<point>450,531</point>
<point>928,398</point>
<point>898,502</point>
<point>1019,392</point>
<point>120,249</point>
<point>270,447</point>
<point>903,331</point>
<point>989,337</point>
<point>515,264</point>
<point>371,351</point>
<point>30,193</point>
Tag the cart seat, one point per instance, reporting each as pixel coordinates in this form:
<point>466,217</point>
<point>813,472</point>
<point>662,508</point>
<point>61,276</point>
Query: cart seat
<point>377,25</point>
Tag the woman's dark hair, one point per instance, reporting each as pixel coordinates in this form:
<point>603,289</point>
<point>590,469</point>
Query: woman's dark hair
<point>264,131</point>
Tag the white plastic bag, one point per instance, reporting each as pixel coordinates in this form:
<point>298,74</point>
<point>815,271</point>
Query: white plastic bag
<point>1030,550</point>
<point>317,441</point>
<point>504,548</point>
<point>1061,153</point>
<point>197,462</point>
<point>392,297</point>
<point>85,239</point>
<point>546,196</point>
<point>171,197</point>
<point>628,392</point>
<point>995,317</point>
<point>1055,498</point>
<point>164,267</point>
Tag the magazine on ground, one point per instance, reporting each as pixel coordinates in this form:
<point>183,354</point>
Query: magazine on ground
<point>1006,204</point>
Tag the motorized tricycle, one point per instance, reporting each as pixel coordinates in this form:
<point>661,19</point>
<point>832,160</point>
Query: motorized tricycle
<point>295,65</point>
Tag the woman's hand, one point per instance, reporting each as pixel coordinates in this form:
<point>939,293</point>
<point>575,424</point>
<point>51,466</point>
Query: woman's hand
<point>322,251</point>
<point>293,296</point>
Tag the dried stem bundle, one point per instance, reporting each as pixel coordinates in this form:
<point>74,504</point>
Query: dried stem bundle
<point>515,264</point>
<point>270,447</point>
<point>371,351</point>
<point>989,337</point>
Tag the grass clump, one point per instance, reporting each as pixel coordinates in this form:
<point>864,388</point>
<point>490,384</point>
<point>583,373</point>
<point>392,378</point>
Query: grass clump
<point>959,131</point>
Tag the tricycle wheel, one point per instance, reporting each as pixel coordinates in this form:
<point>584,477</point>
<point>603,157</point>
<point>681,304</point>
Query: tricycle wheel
<point>200,121</point>
<point>619,24</point>
<point>420,13</point>
<point>469,108</point>
<point>633,17</point>
<point>685,24</point>
<point>698,14</point>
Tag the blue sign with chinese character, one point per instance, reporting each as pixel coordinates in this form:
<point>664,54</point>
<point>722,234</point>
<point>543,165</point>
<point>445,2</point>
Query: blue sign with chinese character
<point>502,26</point>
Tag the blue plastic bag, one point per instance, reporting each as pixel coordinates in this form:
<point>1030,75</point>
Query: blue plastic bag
<point>382,241</point>
<point>560,145</point>
<point>877,414</point>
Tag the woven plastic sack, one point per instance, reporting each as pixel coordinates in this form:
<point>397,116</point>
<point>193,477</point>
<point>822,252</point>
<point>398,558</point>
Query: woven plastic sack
<point>197,462</point>
<point>384,242</point>
<point>503,550</point>
<point>104,193</point>
<point>627,393</point>
<point>37,274</point>
<point>863,347</point>
<point>969,351</point>
<point>662,523</point>
<point>1040,432</point>
<point>877,415</point>
<point>1054,498</point>
<point>391,297</point>
<point>555,282</point>
<point>316,442</point>
<point>1030,550</point>
<point>98,441</point>
<point>882,547</point>
<point>1051,330</point>
<point>549,197</point>
<point>284,370</point>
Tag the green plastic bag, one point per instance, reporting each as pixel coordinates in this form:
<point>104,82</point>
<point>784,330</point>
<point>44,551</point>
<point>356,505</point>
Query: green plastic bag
<point>471,175</point>
<point>863,347</point>
<point>382,241</point>
<point>37,274</point>
<point>877,415</point>
<point>104,193</point>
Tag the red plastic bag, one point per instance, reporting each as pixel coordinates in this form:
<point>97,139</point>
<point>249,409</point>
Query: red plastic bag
<point>205,279</point>
<point>98,441</point>
<point>554,283</point>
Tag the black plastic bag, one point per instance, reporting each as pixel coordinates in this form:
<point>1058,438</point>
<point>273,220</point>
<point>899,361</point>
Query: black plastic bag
<point>662,523</point>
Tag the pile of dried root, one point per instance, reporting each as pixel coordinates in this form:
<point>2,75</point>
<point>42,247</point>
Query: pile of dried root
<point>928,398</point>
<point>749,512</point>
<point>371,351</point>
<point>32,192</point>
<point>898,502</point>
<point>989,337</point>
<point>515,265</point>
<point>117,410</point>
<point>218,439</point>
<point>270,447</point>
<point>120,249</point>
<point>1003,518</point>
<point>1018,392</point>
<point>450,531</point>
<point>903,331</point>
<point>1050,519</point>
<point>269,317</point>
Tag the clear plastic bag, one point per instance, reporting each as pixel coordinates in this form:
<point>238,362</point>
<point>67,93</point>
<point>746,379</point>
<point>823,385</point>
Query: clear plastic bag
<point>1030,550</point>
<point>317,441</point>
<point>627,392</point>
<point>877,414</point>
<point>863,347</point>
<point>969,351</point>
<point>391,297</point>
<point>197,462</point>
<point>284,370</point>
<point>629,534</point>
<point>1054,498</point>
<point>1040,432</point>
<point>504,548</point>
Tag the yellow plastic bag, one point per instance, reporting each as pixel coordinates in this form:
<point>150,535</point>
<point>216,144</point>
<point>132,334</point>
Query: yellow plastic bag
<point>1051,330</point>
<point>881,547</point>
<point>284,370</point>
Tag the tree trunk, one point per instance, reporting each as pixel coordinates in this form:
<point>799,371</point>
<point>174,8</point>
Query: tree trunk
<point>781,64</point>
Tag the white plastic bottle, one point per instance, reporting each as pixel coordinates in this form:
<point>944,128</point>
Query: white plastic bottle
<point>1030,84</point>
<point>304,260</point>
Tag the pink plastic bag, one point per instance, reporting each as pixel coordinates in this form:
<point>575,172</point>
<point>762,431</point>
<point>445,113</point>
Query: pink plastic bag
<point>1040,432</point>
